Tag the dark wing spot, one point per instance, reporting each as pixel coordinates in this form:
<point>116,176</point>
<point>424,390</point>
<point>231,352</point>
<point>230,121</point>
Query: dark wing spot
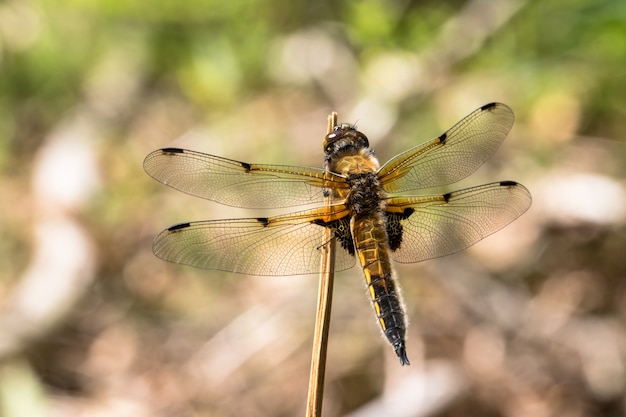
<point>172,150</point>
<point>246,166</point>
<point>320,222</point>
<point>178,227</point>
<point>446,197</point>
<point>394,227</point>
<point>341,232</point>
<point>442,138</point>
<point>508,183</point>
<point>488,106</point>
<point>263,220</point>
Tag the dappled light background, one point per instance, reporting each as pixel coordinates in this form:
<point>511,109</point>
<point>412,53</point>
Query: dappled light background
<point>529,322</point>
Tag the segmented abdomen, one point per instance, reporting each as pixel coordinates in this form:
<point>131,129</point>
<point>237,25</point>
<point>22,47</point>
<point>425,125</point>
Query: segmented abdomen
<point>372,247</point>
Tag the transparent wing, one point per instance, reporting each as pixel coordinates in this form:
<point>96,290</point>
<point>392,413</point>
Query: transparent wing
<point>239,184</point>
<point>434,226</point>
<point>452,156</point>
<point>282,245</point>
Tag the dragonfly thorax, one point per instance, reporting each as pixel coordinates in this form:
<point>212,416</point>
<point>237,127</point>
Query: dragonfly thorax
<point>366,196</point>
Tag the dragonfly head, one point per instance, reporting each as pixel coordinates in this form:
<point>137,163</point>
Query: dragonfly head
<point>344,136</point>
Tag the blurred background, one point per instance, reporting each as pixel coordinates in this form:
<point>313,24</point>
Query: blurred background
<point>529,322</point>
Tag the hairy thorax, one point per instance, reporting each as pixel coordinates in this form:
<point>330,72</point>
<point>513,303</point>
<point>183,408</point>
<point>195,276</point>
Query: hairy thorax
<point>365,196</point>
<point>362,162</point>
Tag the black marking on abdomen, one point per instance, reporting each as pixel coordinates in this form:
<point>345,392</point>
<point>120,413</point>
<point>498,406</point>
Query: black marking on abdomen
<point>488,106</point>
<point>178,227</point>
<point>172,150</point>
<point>391,313</point>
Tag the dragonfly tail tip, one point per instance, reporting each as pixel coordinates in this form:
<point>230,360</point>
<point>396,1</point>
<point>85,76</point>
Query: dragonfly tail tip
<point>401,352</point>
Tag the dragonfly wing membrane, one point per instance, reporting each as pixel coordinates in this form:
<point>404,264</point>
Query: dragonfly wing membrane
<point>434,226</point>
<point>283,245</point>
<point>452,156</point>
<point>239,184</point>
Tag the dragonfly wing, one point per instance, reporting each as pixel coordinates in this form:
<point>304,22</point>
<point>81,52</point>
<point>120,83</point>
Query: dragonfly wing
<point>283,245</point>
<point>239,184</point>
<point>452,156</point>
<point>427,227</point>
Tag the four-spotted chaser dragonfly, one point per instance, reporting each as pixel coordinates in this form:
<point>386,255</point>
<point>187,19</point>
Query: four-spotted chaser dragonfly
<point>369,218</point>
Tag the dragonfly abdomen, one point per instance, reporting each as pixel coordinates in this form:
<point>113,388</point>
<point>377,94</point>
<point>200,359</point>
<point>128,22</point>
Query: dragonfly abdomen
<point>372,247</point>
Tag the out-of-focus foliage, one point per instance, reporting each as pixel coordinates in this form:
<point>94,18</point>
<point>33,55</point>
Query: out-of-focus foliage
<point>529,322</point>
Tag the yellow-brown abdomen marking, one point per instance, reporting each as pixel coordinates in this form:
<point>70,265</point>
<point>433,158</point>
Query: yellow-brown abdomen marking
<point>371,245</point>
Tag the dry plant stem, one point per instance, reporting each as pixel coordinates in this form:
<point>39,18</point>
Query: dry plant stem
<point>322,321</point>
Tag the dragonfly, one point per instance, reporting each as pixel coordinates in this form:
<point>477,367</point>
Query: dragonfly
<point>371,216</point>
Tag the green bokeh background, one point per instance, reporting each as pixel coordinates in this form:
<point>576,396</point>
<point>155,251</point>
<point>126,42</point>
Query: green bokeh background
<point>532,321</point>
